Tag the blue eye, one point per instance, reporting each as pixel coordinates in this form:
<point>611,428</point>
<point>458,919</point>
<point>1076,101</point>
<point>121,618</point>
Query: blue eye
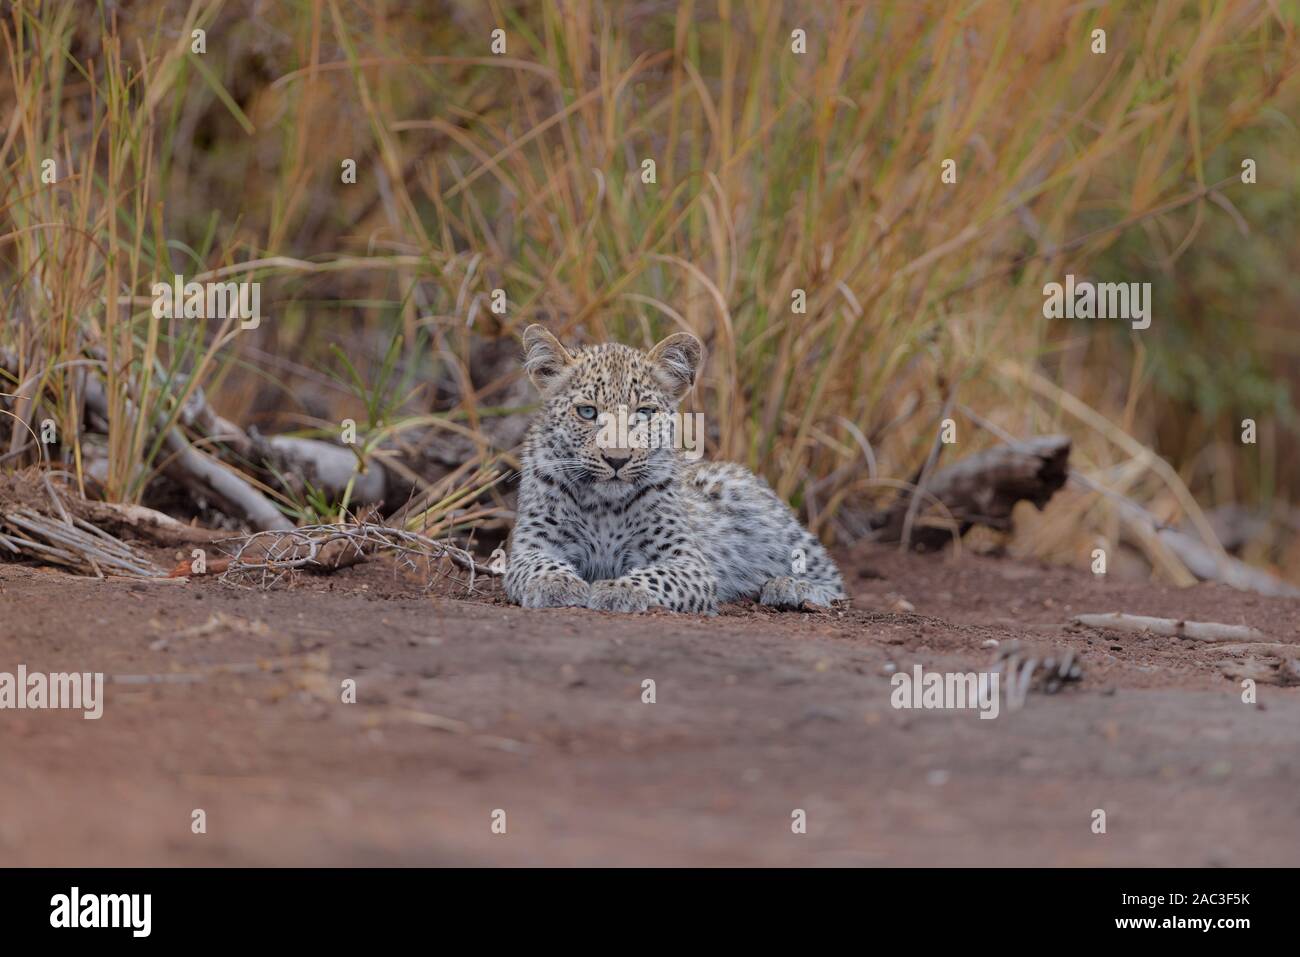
<point>587,412</point>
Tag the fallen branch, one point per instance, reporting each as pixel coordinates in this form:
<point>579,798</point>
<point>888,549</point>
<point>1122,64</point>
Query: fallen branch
<point>194,468</point>
<point>1202,556</point>
<point>1173,627</point>
<point>982,490</point>
<point>323,465</point>
<point>197,468</point>
<point>1203,561</point>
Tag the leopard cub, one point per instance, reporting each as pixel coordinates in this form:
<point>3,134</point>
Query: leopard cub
<point>606,521</point>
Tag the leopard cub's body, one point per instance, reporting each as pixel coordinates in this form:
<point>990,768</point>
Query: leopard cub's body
<point>633,525</point>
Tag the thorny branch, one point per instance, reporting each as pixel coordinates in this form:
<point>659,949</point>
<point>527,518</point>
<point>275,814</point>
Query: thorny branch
<point>265,558</point>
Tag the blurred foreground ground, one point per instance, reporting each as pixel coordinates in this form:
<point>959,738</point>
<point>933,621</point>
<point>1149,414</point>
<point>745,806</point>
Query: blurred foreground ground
<point>466,706</point>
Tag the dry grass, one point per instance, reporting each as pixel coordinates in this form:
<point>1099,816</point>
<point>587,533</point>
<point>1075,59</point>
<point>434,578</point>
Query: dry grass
<point>774,172</point>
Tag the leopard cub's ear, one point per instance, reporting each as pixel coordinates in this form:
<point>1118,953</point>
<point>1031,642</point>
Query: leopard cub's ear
<point>544,357</point>
<point>676,362</point>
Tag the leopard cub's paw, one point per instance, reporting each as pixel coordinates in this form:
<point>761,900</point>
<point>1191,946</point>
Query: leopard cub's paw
<point>555,590</point>
<point>620,594</point>
<point>798,593</point>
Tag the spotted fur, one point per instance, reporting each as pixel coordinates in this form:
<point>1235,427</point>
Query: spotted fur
<point>633,528</point>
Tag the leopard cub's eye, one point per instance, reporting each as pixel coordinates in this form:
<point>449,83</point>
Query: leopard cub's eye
<point>587,412</point>
<point>646,412</point>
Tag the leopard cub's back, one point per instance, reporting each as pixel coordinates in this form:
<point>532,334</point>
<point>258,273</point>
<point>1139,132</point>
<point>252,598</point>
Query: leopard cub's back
<point>749,534</point>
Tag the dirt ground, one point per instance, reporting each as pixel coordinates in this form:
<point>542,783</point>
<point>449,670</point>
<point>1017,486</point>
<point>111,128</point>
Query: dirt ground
<point>228,700</point>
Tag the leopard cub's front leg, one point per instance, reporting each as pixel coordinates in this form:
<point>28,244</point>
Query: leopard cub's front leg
<point>685,586</point>
<point>536,580</point>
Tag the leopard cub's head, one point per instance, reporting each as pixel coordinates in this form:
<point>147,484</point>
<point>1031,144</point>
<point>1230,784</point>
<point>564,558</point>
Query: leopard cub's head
<point>608,416</point>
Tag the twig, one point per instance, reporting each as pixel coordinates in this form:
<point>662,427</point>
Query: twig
<point>1173,627</point>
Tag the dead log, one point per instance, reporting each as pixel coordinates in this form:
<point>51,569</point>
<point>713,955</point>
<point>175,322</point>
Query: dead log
<point>1204,562</point>
<point>305,462</point>
<point>193,467</point>
<point>981,490</point>
<point>213,458</point>
<point>324,466</point>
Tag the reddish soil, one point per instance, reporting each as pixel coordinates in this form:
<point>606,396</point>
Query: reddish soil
<point>466,705</point>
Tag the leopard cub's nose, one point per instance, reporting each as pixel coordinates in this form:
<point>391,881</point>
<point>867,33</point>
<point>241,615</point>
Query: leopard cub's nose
<point>615,463</point>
